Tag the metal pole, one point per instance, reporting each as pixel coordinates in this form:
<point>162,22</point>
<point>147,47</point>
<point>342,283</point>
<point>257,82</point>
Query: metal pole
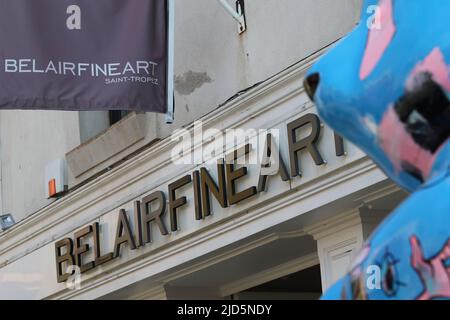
<point>170,115</point>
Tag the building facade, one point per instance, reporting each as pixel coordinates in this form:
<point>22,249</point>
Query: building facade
<point>139,222</point>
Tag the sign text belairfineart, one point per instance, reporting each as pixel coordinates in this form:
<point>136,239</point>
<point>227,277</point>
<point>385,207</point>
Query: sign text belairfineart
<point>151,209</point>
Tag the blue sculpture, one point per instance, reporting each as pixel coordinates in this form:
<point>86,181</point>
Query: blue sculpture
<point>386,87</point>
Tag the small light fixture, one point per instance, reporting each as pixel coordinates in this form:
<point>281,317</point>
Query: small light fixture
<point>6,221</point>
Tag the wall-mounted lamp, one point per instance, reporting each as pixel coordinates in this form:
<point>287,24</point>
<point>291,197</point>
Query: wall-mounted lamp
<point>6,221</point>
<point>238,14</point>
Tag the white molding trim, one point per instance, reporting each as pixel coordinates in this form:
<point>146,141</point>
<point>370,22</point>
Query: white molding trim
<point>222,257</point>
<point>235,252</point>
<point>381,193</point>
<point>156,293</point>
<point>265,276</point>
<point>206,234</point>
<point>334,224</point>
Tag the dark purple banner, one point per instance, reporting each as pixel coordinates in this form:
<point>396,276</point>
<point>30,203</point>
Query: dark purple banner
<point>83,54</point>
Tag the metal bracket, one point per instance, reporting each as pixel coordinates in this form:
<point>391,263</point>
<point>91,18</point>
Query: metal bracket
<point>238,14</point>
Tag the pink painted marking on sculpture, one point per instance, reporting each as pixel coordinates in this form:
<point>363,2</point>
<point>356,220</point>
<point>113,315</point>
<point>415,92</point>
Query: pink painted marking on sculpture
<point>434,274</point>
<point>435,64</point>
<point>378,39</point>
<point>400,147</point>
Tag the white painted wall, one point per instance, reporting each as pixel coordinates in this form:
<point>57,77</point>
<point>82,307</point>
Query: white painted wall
<point>212,63</point>
<point>30,140</point>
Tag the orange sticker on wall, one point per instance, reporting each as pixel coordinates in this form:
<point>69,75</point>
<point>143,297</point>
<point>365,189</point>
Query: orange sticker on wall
<point>52,187</point>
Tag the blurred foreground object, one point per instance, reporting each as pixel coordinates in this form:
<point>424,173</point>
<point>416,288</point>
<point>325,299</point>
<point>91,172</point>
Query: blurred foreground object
<point>386,87</point>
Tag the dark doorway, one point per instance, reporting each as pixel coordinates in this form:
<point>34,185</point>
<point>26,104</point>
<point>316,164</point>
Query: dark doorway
<point>302,285</point>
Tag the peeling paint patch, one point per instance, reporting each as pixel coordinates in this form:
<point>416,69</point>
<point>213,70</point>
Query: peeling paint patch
<point>190,81</point>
